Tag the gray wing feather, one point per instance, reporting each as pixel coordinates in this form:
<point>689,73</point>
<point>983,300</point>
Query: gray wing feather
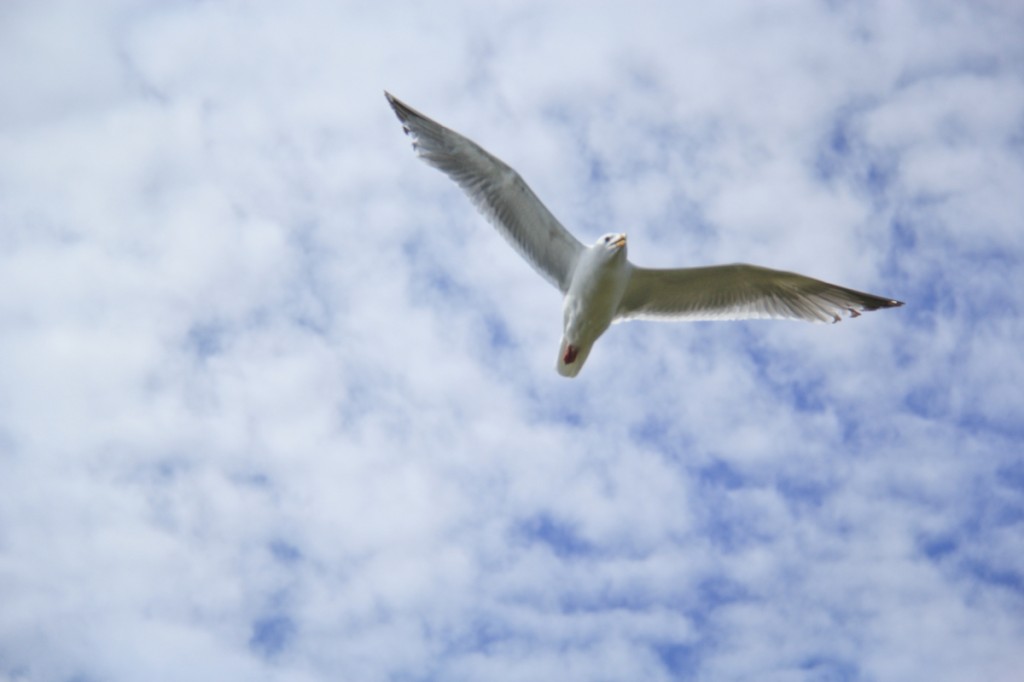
<point>498,192</point>
<point>740,291</point>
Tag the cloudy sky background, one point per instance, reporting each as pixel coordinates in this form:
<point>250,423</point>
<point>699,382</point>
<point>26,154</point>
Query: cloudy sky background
<point>277,404</point>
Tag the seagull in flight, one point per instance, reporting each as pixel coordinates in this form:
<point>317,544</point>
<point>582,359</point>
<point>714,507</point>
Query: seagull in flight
<point>599,284</point>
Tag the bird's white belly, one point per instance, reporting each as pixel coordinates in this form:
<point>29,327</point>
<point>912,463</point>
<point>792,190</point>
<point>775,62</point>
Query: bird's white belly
<point>590,305</point>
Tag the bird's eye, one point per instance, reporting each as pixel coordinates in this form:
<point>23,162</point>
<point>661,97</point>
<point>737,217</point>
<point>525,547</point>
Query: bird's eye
<point>607,239</point>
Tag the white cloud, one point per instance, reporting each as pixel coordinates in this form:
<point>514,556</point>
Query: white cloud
<point>276,403</point>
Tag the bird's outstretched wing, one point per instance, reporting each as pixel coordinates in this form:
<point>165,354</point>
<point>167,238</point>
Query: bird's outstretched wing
<point>739,291</point>
<point>498,192</point>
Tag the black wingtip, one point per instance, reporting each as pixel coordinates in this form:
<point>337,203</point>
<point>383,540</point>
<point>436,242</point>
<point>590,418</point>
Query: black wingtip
<point>402,110</point>
<point>879,303</point>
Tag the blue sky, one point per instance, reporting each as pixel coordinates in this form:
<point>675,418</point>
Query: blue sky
<point>276,403</point>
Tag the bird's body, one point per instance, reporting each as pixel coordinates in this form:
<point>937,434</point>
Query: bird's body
<point>599,284</point>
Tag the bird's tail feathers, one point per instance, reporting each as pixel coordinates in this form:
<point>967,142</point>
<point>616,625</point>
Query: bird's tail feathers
<point>571,359</point>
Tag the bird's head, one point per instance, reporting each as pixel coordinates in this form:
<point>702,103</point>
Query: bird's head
<point>613,242</point>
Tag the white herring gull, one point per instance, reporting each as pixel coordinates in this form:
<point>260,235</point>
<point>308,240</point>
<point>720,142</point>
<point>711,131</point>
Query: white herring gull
<point>598,282</point>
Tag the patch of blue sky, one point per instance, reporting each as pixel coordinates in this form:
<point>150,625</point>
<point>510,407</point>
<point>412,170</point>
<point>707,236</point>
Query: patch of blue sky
<point>727,524</point>
<point>710,595</point>
<point>284,552</point>
<point>1000,576</point>
<point>306,303</point>
<point>560,536</point>
<point>483,632</point>
<point>843,156</point>
<point>970,557</point>
<point>255,480</point>
<point>432,279</point>
<point>565,414</point>
<point>499,335</point>
<point>597,175</point>
<point>804,495</point>
<point>430,276</point>
<point>681,660</point>
<point>904,233</point>
<point>19,672</point>
<point>368,387</point>
<point>662,149</point>
<point>544,410</point>
<point>930,401</point>
<point>171,468</point>
<point>960,529</point>
<point>309,303</point>
<point>684,218</point>
<point>720,474</point>
<point>662,434</point>
<point>826,667</point>
<point>995,505</point>
<point>1015,143</point>
<point>974,63</point>
<point>776,370</point>
<point>206,339</point>
<point>938,547</point>
<point>608,598</point>
<point>8,443</point>
<point>835,153</point>
<point>1011,474</point>
<point>272,634</point>
<point>974,421</point>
